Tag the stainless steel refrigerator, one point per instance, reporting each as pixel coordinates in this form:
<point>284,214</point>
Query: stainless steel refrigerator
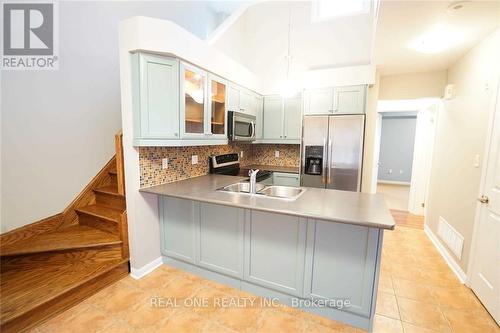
<point>332,152</point>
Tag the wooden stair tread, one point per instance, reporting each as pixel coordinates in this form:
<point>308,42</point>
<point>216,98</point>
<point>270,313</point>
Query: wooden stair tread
<point>110,189</point>
<point>103,212</point>
<point>77,236</point>
<point>22,291</point>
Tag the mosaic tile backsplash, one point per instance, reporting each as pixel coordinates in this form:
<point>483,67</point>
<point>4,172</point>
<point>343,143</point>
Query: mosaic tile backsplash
<point>180,167</point>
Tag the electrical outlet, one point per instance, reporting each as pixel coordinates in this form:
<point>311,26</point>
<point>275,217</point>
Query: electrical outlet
<point>194,159</point>
<point>241,154</point>
<point>276,153</point>
<point>164,163</point>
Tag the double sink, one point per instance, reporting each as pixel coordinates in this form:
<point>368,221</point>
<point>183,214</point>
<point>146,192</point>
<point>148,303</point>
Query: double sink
<point>272,191</point>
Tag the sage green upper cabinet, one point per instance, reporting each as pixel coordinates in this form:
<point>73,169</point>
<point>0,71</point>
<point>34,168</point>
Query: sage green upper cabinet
<point>239,99</point>
<point>257,110</point>
<point>155,97</point>
<point>273,118</point>
<point>338,100</point>
<point>245,101</point>
<point>193,107</point>
<point>350,99</point>
<point>233,98</point>
<point>319,101</point>
<point>293,118</point>
<point>282,119</point>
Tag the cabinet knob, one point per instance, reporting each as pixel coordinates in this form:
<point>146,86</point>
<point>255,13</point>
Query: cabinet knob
<point>176,134</point>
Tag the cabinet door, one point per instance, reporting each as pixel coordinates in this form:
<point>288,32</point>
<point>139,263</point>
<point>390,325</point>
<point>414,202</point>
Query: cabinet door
<point>286,179</point>
<point>350,99</point>
<point>156,110</point>
<point>275,251</point>
<point>221,239</point>
<point>293,118</point>
<point>258,108</point>
<point>328,246</point>
<point>245,101</point>
<point>233,98</point>
<point>273,117</point>
<point>177,222</point>
<point>217,101</point>
<point>193,101</point>
<point>319,101</point>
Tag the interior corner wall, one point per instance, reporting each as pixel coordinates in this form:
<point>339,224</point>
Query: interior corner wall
<point>461,134</point>
<point>371,145</point>
<point>57,128</point>
<point>413,85</point>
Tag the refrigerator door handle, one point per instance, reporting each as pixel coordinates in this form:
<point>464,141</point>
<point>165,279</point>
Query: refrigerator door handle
<point>325,163</point>
<point>329,179</point>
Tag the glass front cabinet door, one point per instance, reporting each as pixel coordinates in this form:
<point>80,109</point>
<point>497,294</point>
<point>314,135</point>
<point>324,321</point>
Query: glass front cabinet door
<point>217,115</point>
<point>203,104</point>
<point>193,101</point>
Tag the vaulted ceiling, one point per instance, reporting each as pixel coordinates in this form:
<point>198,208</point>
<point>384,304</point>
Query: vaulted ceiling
<point>259,39</point>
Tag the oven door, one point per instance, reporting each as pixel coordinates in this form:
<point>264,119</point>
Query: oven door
<point>242,127</point>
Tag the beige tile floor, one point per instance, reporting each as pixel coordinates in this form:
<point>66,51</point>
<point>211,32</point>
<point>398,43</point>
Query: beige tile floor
<point>396,196</point>
<point>417,294</point>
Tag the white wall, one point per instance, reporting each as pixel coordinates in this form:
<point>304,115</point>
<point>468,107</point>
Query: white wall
<point>413,85</point>
<point>461,135</point>
<point>57,127</point>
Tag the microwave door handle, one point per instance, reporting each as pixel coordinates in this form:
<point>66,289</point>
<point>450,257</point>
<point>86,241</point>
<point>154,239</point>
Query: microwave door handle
<point>253,130</point>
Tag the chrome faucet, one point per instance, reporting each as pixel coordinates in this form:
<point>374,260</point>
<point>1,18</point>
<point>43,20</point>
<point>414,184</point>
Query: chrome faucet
<point>253,180</point>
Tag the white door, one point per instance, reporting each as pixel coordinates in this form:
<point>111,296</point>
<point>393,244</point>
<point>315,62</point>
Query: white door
<point>485,277</point>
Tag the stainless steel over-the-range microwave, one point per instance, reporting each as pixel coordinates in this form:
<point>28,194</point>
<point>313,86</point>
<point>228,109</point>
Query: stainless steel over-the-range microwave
<point>241,126</point>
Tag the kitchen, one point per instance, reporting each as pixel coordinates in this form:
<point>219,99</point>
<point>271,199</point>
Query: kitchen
<point>222,166</point>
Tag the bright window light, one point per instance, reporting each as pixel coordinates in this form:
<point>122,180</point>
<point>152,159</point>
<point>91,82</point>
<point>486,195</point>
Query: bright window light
<point>323,10</point>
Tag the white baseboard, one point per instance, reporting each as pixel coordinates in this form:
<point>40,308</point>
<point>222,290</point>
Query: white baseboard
<point>446,256</point>
<point>138,273</point>
<point>393,182</point>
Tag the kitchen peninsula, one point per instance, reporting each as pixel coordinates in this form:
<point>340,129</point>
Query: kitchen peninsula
<point>324,245</point>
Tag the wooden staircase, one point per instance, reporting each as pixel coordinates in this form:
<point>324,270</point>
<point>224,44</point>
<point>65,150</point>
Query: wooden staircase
<point>50,265</point>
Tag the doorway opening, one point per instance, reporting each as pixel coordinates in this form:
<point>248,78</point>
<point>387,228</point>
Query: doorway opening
<point>405,141</point>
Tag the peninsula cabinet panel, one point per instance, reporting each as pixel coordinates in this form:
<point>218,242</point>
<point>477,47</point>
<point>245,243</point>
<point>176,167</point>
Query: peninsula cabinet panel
<point>178,219</point>
<point>275,251</point>
<point>220,244</point>
<point>156,97</point>
<point>341,264</point>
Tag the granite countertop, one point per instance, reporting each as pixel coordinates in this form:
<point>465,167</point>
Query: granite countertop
<point>272,168</point>
<point>329,205</point>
